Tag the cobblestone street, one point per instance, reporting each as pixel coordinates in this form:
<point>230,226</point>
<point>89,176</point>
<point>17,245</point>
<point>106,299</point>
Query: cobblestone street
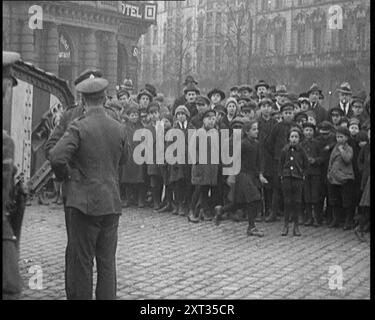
<point>161,256</point>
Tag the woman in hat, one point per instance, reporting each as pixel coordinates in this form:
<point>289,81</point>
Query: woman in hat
<point>232,110</point>
<point>216,96</point>
<point>204,175</point>
<point>292,170</point>
<point>246,193</point>
<point>340,177</point>
<point>180,174</point>
<point>132,174</point>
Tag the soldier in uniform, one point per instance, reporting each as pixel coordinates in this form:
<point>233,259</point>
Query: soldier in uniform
<point>12,282</point>
<point>89,156</point>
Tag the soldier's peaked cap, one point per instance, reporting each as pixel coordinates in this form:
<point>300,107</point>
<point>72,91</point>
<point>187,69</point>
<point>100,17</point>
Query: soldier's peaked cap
<point>92,86</point>
<point>87,74</point>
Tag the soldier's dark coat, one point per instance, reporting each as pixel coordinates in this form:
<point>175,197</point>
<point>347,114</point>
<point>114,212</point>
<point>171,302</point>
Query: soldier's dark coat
<point>89,155</point>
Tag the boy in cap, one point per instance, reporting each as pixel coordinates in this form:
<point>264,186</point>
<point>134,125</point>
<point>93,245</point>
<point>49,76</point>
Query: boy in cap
<point>180,173</point>
<point>132,176</point>
<point>191,92</point>
<point>340,177</point>
<point>92,141</point>
<point>153,170</point>
<point>326,139</point>
<point>202,105</point>
<point>261,89</point>
<point>144,98</point>
<point>248,110</point>
<point>281,96</point>
<point>233,92</point>
<point>266,123</point>
<point>275,143</point>
<point>204,175</point>
<point>304,102</point>
<point>357,108</point>
<point>314,95</point>
<point>312,181</point>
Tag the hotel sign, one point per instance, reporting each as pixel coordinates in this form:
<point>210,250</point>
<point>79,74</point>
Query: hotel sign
<point>141,11</point>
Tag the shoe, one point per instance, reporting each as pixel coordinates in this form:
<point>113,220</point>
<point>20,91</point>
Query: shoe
<point>167,208</point>
<point>218,214</point>
<point>192,218</point>
<point>359,234</point>
<point>285,230</point>
<point>183,212</point>
<point>207,216</point>
<point>272,218</point>
<point>309,222</point>
<point>296,231</point>
<point>254,232</point>
<point>175,210</point>
<point>334,224</point>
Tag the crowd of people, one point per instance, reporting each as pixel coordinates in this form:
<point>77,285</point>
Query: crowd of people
<point>299,160</point>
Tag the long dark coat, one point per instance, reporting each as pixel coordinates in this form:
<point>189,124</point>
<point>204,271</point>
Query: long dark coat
<point>181,171</point>
<point>153,169</point>
<point>265,130</point>
<point>247,185</point>
<point>89,156</point>
<point>132,172</point>
<point>205,174</point>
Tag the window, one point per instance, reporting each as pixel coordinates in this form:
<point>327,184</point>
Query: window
<point>209,57</point>
<point>200,28</point>
<point>164,32</point>
<point>300,40</point>
<point>188,62</point>
<point>199,58</point>
<point>278,4</point>
<point>265,5</point>
<point>218,23</point>
<point>155,36</point>
<point>209,23</point>
<point>361,36</point>
<point>218,57</point>
<point>317,38</point>
<point>189,27</point>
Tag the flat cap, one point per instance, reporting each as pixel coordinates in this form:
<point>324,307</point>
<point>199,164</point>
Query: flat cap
<point>287,106</point>
<point>244,87</point>
<point>325,126</point>
<point>183,110</point>
<point>122,92</point>
<point>153,106</point>
<point>202,99</point>
<point>93,73</point>
<point>336,110</point>
<point>237,122</point>
<point>209,113</point>
<point>191,87</point>
<point>220,109</point>
<point>265,100</point>
<point>300,115</point>
<point>132,109</point>
<point>251,105</point>
<point>242,97</point>
<point>343,130</point>
<point>233,88</point>
<point>150,88</point>
<point>262,83</point>
<point>354,121</point>
<point>92,86</point>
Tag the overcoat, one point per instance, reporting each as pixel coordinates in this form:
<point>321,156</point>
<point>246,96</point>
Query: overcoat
<point>88,157</point>
<point>265,130</point>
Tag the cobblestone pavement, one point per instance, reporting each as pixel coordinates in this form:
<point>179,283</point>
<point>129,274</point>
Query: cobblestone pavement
<point>161,256</point>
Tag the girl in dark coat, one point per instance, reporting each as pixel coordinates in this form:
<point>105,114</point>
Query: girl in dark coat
<point>292,169</point>
<point>246,193</point>
<point>132,174</point>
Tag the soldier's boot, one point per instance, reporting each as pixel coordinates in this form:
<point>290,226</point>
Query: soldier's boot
<point>218,214</point>
<point>335,218</point>
<point>309,215</point>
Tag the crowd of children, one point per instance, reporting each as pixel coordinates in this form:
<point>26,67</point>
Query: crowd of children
<point>299,160</point>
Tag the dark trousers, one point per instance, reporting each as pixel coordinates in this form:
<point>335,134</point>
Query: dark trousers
<point>277,194</point>
<point>200,195</point>
<point>183,192</point>
<point>267,196</point>
<point>251,210</point>
<point>341,199</point>
<point>91,237</point>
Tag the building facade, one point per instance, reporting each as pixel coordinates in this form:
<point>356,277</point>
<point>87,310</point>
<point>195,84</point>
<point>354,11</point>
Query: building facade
<point>295,42</point>
<point>76,35</point>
